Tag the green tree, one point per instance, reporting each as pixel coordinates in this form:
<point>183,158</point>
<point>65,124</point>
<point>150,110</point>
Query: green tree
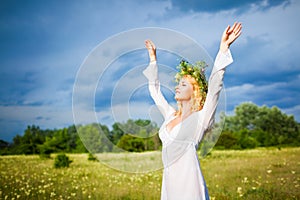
<point>28,143</point>
<point>94,138</point>
<point>116,133</point>
<point>245,117</point>
<point>4,147</point>
<point>266,126</point>
<point>131,143</point>
<point>142,136</point>
<point>227,141</point>
<point>246,139</point>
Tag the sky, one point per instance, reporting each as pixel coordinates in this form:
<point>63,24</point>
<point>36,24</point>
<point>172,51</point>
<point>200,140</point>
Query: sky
<point>44,45</point>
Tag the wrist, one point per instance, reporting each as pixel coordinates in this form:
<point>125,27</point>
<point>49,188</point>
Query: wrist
<point>153,59</point>
<point>224,47</point>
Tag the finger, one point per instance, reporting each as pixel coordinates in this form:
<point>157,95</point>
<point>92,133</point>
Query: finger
<point>236,30</point>
<point>232,28</point>
<point>237,27</point>
<point>152,44</point>
<point>227,29</point>
<point>148,44</point>
<point>238,34</point>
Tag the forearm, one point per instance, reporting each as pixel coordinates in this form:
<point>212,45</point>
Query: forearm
<point>151,73</point>
<point>215,85</point>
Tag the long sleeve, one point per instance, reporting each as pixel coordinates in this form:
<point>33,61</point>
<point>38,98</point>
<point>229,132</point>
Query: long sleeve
<point>215,84</point>
<point>151,73</point>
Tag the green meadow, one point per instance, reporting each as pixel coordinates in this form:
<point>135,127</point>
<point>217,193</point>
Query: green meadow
<point>263,173</point>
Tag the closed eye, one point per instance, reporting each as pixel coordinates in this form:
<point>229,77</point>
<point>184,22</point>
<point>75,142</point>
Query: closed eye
<point>183,83</point>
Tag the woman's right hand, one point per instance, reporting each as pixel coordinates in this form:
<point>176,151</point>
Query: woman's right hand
<point>151,50</point>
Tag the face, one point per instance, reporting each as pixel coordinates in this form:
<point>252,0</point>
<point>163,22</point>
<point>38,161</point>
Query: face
<point>184,90</point>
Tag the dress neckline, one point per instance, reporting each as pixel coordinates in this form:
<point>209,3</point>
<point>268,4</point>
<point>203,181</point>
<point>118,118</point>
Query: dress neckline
<point>180,123</point>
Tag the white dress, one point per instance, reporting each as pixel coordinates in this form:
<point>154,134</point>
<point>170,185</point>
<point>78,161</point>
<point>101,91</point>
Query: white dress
<point>182,177</point>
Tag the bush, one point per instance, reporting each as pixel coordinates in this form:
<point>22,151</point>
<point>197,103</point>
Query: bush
<point>91,157</point>
<point>131,143</point>
<point>226,141</point>
<point>61,160</point>
<point>248,143</point>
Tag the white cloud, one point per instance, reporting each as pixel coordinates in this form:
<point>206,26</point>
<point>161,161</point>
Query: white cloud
<point>273,94</point>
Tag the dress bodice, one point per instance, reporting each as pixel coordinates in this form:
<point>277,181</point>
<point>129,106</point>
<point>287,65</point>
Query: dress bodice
<point>168,136</point>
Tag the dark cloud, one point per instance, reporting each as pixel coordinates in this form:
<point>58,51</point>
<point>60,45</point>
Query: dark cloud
<point>221,5</point>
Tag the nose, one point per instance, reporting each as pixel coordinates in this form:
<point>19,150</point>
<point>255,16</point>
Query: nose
<point>177,88</point>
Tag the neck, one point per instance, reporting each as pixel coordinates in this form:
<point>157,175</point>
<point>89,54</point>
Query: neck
<point>186,108</point>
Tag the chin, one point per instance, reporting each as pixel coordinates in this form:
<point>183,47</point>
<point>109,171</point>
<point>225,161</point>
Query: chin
<point>179,98</point>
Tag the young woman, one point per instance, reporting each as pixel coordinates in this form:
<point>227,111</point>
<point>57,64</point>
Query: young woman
<point>184,128</point>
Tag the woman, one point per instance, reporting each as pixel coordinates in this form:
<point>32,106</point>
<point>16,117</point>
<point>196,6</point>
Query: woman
<point>184,128</point>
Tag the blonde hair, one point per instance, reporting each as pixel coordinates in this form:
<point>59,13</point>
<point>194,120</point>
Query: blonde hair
<point>198,97</point>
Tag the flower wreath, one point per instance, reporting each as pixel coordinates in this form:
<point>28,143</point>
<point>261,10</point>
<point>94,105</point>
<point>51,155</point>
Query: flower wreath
<point>196,71</point>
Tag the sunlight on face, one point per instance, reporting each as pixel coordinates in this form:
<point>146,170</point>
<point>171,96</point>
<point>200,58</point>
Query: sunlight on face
<point>184,90</point>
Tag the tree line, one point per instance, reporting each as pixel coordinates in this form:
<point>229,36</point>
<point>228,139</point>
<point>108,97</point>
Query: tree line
<point>133,135</point>
<point>251,126</point>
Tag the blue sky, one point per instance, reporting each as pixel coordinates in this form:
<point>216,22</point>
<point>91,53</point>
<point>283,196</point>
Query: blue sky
<point>44,43</point>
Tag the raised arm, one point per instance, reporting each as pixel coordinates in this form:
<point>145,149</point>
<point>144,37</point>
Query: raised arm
<point>230,35</point>
<point>151,73</point>
<point>215,82</point>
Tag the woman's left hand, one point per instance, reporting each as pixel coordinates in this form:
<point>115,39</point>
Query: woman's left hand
<point>230,35</point>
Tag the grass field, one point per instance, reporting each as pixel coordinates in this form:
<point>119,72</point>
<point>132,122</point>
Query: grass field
<point>251,174</point>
